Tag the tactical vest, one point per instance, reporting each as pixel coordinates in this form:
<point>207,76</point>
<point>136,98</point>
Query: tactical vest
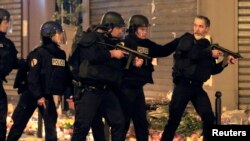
<point>142,75</point>
<point>192,68</point>
<point>106,73</point>
<point>183,65</point>
<point>53,74</point>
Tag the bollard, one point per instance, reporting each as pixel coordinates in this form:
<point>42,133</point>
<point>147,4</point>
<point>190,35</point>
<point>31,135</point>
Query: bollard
<point>218,107</point>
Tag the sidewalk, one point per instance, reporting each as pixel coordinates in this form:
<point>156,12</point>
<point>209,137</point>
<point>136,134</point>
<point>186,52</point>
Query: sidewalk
<point>30,138</point>
<point>33,138</point>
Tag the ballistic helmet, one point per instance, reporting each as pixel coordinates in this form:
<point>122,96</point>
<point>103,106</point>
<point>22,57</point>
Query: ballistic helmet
<point>50,28</point>
<point>137,21</point>
<point>4,14</point>
<point>112,19</point>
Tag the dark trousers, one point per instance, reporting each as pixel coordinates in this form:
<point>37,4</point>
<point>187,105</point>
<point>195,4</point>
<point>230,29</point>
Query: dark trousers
<point>3,112</point>
<point>86,108</point>
<point>134,107</point>
<point>24,110</point>
<point>182,94</point>
<point>98,127</point>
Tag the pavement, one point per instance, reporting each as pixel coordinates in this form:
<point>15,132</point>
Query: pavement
<point>29,138</point>
<point>33,138</point>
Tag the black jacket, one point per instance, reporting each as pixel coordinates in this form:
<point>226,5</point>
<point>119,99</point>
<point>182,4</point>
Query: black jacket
<point>143,75</point>
<point>193,60</point>
<point>91,61</point>
<point>8,56</point>
<point>49,73</point>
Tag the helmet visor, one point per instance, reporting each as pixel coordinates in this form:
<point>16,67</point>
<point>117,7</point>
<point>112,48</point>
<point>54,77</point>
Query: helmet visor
<point>63,37</point>
<point>60,38</point>
<point>10,27</point>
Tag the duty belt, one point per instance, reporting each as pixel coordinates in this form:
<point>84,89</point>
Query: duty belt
<point>96,87</point>
<point>91,86</point>
<point>188,82</point>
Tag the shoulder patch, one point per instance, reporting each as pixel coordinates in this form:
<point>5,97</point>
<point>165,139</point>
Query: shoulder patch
<point>33,62</point>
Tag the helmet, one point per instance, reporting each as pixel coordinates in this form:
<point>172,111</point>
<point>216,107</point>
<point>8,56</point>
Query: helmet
<point>112,19</point>
<point>4,15</point>
<point>138,21</point>
<point>50,28</point>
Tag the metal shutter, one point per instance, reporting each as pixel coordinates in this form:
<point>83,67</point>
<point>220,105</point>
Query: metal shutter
<point>244,49</point>
<point>15,9</point>
<point>168,18</point>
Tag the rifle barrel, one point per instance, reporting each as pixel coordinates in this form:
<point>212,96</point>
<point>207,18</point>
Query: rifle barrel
<point>218,47</point>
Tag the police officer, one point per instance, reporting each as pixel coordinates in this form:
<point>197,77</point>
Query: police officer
<point>97,68</point>
<point>8,61</point>
<point>132,96</point>
<point>194,63</point>
<point>48,75</point>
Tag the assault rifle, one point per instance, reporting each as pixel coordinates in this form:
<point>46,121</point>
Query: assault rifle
<point>132,53</point>
<point>226,51</point>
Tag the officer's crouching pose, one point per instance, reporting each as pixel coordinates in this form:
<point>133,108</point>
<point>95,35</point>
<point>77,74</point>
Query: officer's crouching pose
<point>98,69</point>
<point>8,61</point>
<point>48,75</point>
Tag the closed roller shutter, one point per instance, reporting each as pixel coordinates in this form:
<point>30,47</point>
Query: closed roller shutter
<point>168,17</point>
<point>244,49</point>
<point>15,9</point>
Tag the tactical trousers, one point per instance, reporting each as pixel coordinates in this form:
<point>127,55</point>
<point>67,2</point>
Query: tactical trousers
<point>182,94</point>
<point>24,110</point>
<point>134,107</point>
<point>98,127</point>
<point>3,112</point>
<point>86,108</point>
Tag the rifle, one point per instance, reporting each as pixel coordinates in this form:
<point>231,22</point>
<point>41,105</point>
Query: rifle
<point>132,53</point>
<point>226,51</point>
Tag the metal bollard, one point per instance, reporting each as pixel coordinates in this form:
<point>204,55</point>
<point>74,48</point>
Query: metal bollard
<point>218,107</point>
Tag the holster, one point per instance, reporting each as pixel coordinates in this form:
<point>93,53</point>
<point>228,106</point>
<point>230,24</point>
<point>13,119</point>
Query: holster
<point>78,91</point>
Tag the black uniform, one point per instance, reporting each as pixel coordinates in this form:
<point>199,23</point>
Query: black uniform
<point>132,96</point>
<point>193,65</point>
<point>99,74</point>
<point>48,75</point>
<point>8,61</point>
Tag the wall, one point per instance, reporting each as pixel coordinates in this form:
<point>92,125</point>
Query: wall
<point>39,11</point>
<point>223,16</point>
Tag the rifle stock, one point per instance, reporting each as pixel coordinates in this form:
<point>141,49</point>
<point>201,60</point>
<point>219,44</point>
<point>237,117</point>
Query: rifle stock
<point>226,51</point>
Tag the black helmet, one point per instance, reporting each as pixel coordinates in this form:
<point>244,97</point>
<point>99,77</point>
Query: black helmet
<point>138,21</point>
<point>50,28</point>
<point>112,19</point>
<point>4,14</point>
